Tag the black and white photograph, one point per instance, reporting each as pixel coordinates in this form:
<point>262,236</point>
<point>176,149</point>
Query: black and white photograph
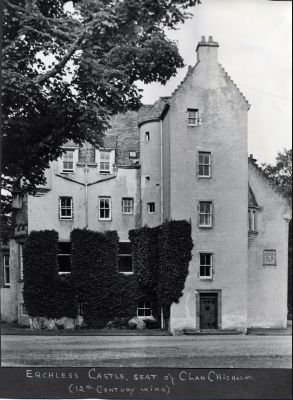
<point>146,166</point>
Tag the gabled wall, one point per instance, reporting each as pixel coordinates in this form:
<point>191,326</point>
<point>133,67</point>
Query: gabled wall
<point>223,133</point>
<point>267,284</point>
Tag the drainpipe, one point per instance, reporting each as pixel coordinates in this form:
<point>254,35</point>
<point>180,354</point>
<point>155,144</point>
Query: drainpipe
<point>162,206</point>
<point>86,171</point>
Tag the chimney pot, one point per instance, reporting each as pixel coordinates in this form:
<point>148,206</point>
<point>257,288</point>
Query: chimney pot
<point>211,39</point>
<point>203,39</point>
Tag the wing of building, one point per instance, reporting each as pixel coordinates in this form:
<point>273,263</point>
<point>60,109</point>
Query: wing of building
<point>183,158</point>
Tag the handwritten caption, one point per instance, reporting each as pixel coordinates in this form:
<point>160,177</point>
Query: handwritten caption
<point>97,382</point>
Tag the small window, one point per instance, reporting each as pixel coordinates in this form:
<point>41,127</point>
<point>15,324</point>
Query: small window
<point>193,117</point>
<point>68,161</point>
<point>64,258</point>
<point>270,258</point>
<point>148,178</point>
<point>66,208</point>
<point>6,270</point>
<point>144,309</point>
<point>133,154</point>
<point>23,310</point>
<point>147,137</point>
<point>205,214</point>
<point>105,162</point>
<point>125,258</point>
<point>81,309</point>
<point>204,164</point>
<point>21,272</point>
<point>206,266</point>
<point>127,206</point>
<point>151,208</point>
<point>105,208</point>
<point>252,220</point>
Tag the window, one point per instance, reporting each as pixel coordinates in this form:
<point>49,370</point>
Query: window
<point>252,220</point>
<point>105,208</point>
<point>133,154</point>
<point>147,137</point>
<point>151,208</point>
<point>81,308</point>
<point>21,273</point>
<point>23,310</point>
<point>270,258</point>
<point>64,258</point>
<point>6,270</point>
<point>205,214</point>
<point>66,208</point>
<point>144,309</point>
<point>148,178</point>
<point>68,161</point>
<point>206,266</point>
<point>105,162</point>
<point>204,165</point>
<point>125,258</point>
<point>193,117</point>
<point>127,206</point>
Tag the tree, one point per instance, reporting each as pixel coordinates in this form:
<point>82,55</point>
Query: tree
<point>281,174</point>
<point>66,72</point>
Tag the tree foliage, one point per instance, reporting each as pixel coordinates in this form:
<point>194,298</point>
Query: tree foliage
<point>281,172</point>
<point>66,72</point>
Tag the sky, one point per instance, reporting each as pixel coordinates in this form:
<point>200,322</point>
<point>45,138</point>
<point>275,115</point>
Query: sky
<point>256,51</point>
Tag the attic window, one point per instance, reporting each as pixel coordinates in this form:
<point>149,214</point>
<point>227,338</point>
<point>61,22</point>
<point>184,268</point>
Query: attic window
<point>193,117</point>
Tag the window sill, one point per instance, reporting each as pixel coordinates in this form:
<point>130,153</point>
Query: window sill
<point>64,273</point>
<point>105,220</point>
<point>204,177</point>
<point>126,273</point>
<point>206,278</point>
<point>66,220</point>
<point>205,227</point>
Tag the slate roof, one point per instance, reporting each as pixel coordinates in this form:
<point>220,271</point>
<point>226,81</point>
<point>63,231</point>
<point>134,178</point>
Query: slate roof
<point>123,136</point>
<point>251,198</point>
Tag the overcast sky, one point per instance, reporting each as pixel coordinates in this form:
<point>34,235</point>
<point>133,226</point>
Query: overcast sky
<point>255,49</point>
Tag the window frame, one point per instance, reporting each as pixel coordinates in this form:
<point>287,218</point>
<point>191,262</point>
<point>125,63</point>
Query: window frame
<point>252,220</point>
<point>144,308</point>
<point>63,255</point>
<point>103,198</point>
<point>196,117</point>
<point>23,310</point>
<point>66,218</point>
<point>149,207</point>
<point>68,170</point>
<point>128,255</point>
<point>209,165</point>
<point>104,161</point>
<point>211,214</point>
<point>211,265</point>
<point>131,207</point>
<point>6,270</point>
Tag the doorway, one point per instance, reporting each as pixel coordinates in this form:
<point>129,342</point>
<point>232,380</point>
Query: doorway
<point>209,310</point>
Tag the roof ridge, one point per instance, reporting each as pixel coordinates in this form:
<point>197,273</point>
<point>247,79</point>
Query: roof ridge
<point>236,86</point>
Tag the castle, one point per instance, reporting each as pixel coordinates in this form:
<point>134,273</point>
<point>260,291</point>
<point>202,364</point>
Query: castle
<point>183,158</point>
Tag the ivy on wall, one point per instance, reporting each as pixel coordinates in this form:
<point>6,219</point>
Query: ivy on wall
<point>175,246</point>
<point>45,293</point>
<point>161,259</point>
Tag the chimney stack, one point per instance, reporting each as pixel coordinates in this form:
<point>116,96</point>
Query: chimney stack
<point>207,51</point>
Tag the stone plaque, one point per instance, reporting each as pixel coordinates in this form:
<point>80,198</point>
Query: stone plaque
<point>270,257</point>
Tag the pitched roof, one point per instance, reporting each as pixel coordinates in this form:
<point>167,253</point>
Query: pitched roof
<point>156,111</point>
<point>123,136</point>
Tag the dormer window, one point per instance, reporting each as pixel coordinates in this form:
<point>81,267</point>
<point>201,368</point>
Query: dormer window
<point>193,117</point>
<point>105,157</point>
<point>105,160</point>
<point>68,161</point>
